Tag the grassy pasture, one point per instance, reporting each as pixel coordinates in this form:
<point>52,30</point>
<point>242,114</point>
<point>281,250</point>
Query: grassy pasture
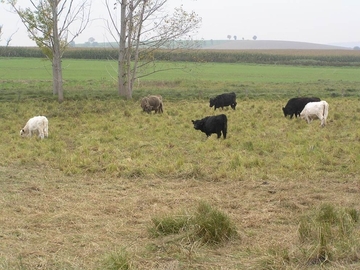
<point>30,77</point>
<point>90,191</point>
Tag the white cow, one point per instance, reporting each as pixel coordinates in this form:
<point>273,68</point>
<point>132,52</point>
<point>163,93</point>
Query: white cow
<point>39,124</point>
<point>313,110</point>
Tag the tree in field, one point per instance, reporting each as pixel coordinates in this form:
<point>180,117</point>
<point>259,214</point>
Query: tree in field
<point>229,37</point>
<point>0,31</point>
<point>254,37</point>
<point>144,27</point>
<point>235,37</point>
<point>50,23</point>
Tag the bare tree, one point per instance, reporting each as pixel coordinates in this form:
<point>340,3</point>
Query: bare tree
<point>143,28</point>
<point>9,39</point>
<point>50,23</point>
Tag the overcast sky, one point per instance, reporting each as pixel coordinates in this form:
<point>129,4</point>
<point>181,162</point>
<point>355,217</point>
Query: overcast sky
<point>315,21</point>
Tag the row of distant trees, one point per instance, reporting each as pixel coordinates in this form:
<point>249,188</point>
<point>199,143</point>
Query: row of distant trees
<point>54,25</point>
<point>235,37</point>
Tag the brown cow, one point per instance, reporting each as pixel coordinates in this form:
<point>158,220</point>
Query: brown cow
<point>152,103</point>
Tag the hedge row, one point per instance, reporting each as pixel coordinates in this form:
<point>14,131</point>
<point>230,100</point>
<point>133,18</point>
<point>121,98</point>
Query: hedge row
<point>283,57</point>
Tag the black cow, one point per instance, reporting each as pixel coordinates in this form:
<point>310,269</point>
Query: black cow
<point>220,101</point>
<point>296,105</point>
<point>212,124</point>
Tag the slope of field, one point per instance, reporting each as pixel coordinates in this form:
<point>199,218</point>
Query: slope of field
<point>270,45</point>
<point>107,169</point>
<point>86,196</point>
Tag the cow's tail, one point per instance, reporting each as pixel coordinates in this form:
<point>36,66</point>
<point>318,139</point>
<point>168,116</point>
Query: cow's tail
<point>325,112</point>
<point>224,126</point>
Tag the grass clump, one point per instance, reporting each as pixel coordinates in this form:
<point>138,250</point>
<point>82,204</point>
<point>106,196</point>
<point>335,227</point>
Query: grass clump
<point>168,225</point>
<point>118,260</point>
<point>329,234</point>
<point>207,224</point>
<point>212,226</point>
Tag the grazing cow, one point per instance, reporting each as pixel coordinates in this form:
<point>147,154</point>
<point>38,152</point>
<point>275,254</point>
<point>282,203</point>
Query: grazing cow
<point>152,103</point>
<point>220,101</point>
<point>296,105</point>
<point>212,124</point>
<point>38,124</point>
<point>315,110</point>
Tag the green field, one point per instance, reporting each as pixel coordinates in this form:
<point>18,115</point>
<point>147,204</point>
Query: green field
<point>19,75</point>
<point>88,196</point>
<point>83,70</point>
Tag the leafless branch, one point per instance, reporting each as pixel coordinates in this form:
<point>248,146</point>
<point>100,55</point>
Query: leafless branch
<point>10,38</point>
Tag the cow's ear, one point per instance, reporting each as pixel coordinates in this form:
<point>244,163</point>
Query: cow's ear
<point>193,121</point>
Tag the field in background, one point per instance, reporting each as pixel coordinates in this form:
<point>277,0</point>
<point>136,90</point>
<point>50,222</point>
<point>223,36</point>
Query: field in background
<point>22,78</point>
<point>89,192</point>
<point>292,57</point>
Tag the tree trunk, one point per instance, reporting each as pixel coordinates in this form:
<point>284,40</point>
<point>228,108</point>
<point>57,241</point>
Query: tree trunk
<point>132,75</point>
<point>57,78</point>
<point>122,51</point>
<point>54,68</point>
<point>56,61</point>
<point>130,30</point>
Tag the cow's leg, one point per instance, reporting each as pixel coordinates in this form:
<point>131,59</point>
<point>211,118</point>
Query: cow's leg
<point>322,120</point>
<point>218,134</point>
<point>41,134</point>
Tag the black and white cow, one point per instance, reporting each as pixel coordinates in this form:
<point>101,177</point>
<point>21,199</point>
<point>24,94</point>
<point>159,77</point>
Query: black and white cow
<point>212,124</point>
<point>296,105</point>
<point>223,100</point>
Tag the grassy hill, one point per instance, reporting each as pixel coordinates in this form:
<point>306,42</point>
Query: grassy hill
<point>268,45</point>
<point>240,45</point>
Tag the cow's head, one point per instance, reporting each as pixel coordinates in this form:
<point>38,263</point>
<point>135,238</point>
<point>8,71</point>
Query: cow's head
<point>22,133</point>
<point>148,108</point>
<point>198,124</point>
<point>212,102</point>
<point>284,111</point>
